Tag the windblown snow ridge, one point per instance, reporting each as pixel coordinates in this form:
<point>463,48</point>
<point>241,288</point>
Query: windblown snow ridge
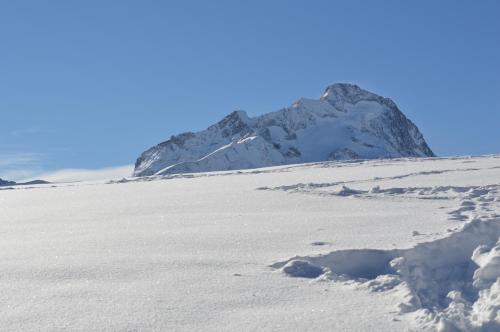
<point>448,284</point>
<point>346,123</point>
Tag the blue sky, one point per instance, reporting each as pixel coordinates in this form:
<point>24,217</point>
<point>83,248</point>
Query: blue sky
<point>91,84</point>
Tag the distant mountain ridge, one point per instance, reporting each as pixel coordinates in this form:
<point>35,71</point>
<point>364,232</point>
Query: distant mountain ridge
<point>346,122</point>
<point>6,183</point>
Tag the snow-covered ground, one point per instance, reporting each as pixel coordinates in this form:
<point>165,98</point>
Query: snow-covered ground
<point>381,245</point>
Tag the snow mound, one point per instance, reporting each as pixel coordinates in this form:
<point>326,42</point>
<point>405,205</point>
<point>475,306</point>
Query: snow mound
<point>302,268</point>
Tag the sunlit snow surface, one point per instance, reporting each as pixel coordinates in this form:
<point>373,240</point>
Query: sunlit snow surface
<point>381,245</point>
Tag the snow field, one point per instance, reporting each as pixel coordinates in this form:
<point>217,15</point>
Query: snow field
<point>383,245</point>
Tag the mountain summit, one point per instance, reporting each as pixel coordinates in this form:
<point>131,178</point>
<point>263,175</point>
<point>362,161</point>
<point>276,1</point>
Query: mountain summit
<point>347,122</point>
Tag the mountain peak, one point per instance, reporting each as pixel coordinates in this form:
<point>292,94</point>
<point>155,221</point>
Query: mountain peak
<point>340,93</point>
<point>342,88</point>
<point>238,115</point>
<point>235,122</point>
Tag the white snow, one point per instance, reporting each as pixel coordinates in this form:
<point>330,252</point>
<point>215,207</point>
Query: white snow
<point>381,245</point>
<point>74,174</point>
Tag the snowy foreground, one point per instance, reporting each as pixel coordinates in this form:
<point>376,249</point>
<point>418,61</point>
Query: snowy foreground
<point>388,245</point>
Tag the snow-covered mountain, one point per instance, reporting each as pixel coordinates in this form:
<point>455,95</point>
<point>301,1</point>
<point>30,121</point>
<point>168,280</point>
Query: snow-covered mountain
<point>347,122</point>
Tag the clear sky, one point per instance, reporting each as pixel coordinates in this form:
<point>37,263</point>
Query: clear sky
<point>91,84</point>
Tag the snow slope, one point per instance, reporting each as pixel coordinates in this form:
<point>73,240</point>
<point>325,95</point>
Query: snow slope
<point>347,122</point>
<point>381,245</point>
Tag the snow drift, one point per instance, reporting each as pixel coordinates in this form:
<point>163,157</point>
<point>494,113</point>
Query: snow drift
<point>450,284</point>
